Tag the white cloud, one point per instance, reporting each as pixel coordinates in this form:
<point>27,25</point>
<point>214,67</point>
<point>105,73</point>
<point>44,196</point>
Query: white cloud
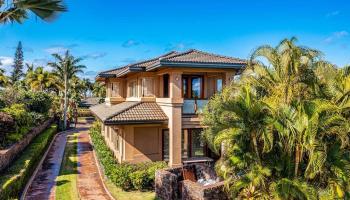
<point>95,55</point>
<point>130,43</point>
<point>336,36</point>
<point>332,14</point>
<point>178,46</point>
<point>60,48</point>
<point>6,61</point>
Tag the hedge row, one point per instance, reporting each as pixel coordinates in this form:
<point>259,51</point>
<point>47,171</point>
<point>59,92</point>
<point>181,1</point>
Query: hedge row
<point>126,176</point>
<point>16,176</point>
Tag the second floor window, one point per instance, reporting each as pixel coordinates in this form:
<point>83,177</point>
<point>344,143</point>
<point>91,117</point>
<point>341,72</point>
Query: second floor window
<point>147,87</point>
<point>192,87</point>
<point>133,89</point>
<point>114,89</point>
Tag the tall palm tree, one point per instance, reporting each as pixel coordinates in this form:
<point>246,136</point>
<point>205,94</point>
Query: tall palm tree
<point>17,10</point>
<point>39,79</point>
<point>65,68</point>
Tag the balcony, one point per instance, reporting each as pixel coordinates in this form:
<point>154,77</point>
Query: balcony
<point>192,106</point>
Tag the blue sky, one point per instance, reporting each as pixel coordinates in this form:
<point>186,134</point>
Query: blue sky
<point>115,33</point>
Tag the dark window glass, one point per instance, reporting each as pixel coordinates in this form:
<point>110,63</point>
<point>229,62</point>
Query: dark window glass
<point>196,85</point>
<point>218,85</point>
<point>185,87</point>
<point>166,85</point>
<point>165,144</point>
<point>197,145</point>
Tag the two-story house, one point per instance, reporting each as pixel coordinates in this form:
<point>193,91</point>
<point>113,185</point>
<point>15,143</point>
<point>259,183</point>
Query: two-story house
<point>151,108</point>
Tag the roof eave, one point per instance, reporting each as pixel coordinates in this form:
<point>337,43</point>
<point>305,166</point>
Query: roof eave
<point>128,70</point>
<point>133,122</point>
<point>196,65</point>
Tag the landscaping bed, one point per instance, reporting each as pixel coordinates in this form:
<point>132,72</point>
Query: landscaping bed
<point>10,153</point>
<point>66,185</point>
<point>14,178</point>
<point>130,178</point>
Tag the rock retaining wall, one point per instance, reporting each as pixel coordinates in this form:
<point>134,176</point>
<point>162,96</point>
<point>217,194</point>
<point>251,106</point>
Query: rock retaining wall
<point>7,155</point>
<point>169,184</point>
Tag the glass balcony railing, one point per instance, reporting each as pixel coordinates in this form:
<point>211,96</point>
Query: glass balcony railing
<point>191,106</point>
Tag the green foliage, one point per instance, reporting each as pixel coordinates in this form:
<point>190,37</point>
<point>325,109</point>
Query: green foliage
<point>17,72</point>
<point>126,176</point>
<point>284,126</point>
<point>16,176</point>
<point>39,102</point>
<point>20,114</point>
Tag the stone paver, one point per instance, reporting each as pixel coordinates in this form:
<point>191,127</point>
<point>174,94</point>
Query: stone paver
<point>43,184</point>
<point>90,185</point>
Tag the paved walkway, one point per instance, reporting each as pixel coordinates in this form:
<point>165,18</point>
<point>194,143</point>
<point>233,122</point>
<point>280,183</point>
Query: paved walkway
<point>90,185</point>
<point>43,185</point>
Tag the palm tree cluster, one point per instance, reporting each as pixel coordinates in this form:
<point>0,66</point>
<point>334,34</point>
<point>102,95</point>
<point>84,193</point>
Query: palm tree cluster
<point>283,128</point>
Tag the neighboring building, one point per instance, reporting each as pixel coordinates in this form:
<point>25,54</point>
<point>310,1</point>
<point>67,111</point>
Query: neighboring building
<point>150,112</point>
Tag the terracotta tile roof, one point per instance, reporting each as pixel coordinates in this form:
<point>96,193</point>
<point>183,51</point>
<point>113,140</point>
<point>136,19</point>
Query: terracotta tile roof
<point>192,57</point>
<point>196,56</point>
<point>130,113</point>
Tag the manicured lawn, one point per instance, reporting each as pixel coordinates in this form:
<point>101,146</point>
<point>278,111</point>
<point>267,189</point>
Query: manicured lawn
<point>67,179</point>
<point>119,194</point>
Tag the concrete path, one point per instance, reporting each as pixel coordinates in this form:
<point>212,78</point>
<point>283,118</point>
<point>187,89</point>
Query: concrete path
<point>90,185</point>
<point>43,184</point>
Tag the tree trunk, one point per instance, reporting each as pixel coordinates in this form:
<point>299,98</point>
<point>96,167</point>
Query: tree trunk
<point>297,160</point>
<point>65,103</point>
<point>255,145</point>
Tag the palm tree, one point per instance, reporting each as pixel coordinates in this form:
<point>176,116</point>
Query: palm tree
<point>39,79</point>
<point>98,90</point>
<point>65,68</point>
<point>285,125</point>
<point>17,10</point>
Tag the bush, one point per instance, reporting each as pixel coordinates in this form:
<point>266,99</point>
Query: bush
<point>39,102</point>
<point>7,125</point>
<point>16,176</point>
<point>20,115</point>
<point>126,176</point>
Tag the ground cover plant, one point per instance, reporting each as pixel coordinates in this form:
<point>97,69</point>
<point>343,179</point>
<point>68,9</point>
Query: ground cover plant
<point>283,128</point>
<point>66,184</point>
<point>16,176</point>
<point>126,176</point>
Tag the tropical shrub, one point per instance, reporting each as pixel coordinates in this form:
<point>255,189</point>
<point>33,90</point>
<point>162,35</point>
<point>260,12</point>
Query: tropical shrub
<point>7,125</point>
<point>39,102</point>
<point>20,115</point>
<point>16,176</point>
<point>126,176</point>
<point>283,128</point>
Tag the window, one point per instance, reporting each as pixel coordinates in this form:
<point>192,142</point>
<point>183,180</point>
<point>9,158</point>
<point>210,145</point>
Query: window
<point>115,139</point>
<point>197,145</point>
<point>166,85</point>
<point>114,89</point>
<point>191,144</point>
<point>218,85</point>
<point>147,87</point>
<point>133,89</point>
<point>192,87</point>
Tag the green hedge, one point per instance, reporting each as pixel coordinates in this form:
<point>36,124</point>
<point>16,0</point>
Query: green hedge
<point>126,176</point>
<point>16,176</point>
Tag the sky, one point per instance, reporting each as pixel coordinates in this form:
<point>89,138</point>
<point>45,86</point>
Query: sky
<point>112,33</point>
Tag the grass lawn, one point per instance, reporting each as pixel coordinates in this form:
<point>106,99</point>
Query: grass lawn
<point>67,180</point>
<point>119,194</point>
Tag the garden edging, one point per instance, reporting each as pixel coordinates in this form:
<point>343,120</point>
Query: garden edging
<point>9,154</point>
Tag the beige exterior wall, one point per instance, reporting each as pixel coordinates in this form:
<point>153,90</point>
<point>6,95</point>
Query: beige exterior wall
<point>137,143</point>
<point>134,143</point>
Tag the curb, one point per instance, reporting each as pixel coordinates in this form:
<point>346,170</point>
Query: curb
<point>100,170</point>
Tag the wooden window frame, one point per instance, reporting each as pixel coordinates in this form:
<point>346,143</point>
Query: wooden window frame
<point>189,86</point>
